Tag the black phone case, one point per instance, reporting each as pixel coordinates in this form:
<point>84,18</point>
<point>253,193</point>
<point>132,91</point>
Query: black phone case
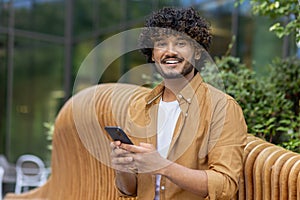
<point>117,134</point>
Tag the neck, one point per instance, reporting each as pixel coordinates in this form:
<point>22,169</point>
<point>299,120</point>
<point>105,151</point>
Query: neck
<point>174,86</point>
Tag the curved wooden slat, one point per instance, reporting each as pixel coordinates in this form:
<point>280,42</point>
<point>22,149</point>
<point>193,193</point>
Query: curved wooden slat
<point>284,176</point>
<point>298,187</point>
<point>267,170</point>
<point>248,168</point>
<point>251,138</point>
<point>258,172</point>
<point>276,173</point>
<point>292,180</point>
<point>252,141</point>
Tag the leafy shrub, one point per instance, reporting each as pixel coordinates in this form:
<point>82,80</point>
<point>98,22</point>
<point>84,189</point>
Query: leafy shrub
<point>49,133</point>
<point>285,12</point>
<point>286,76</point>
<point>269,103</point>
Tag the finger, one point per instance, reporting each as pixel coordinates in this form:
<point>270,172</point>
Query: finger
<point>146,145</point>
<point>115,144</point>
<point>124,168</point>
<point>134,148</point>
<point>112,145</point>
<point>122,160</point>
<point>117,152</point>
<point>146,148</point>
<point>123,165</point>
<point>128,169</point>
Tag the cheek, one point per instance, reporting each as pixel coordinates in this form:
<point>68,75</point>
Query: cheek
<point>190,56</point>
<point>155,55</point>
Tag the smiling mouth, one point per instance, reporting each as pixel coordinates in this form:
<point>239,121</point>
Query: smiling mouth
<point>172,61</point>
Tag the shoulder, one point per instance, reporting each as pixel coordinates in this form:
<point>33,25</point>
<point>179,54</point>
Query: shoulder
<point>218,97</point>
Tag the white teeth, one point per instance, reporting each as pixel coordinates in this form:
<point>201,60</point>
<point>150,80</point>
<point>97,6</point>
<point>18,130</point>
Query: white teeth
<point>171,61</point>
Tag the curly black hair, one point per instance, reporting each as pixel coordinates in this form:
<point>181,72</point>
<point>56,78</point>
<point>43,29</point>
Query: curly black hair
<point>180,20</point>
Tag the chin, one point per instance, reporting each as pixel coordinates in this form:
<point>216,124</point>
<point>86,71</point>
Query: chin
<point>172,75</point>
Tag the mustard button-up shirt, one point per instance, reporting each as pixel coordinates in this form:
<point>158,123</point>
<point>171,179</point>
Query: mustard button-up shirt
<point>210,135</point>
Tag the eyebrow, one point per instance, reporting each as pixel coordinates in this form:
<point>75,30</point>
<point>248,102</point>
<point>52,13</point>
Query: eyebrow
<point>157,39</point>
<point>182,38</point>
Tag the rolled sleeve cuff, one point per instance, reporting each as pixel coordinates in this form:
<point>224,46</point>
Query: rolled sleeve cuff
<point>215,184</point>
<point>220,186</point>
<point>122,195</point>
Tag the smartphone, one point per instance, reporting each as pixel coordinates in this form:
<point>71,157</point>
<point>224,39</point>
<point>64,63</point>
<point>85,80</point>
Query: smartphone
<point>117,134</point>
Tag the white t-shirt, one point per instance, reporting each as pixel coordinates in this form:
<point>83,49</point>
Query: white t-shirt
<point>168,113</point>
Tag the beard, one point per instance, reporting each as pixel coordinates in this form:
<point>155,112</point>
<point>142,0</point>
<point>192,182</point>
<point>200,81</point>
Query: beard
<point>173,74</point>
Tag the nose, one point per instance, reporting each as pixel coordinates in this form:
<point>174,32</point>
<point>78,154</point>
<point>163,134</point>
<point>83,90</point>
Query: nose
<point>171,49</point>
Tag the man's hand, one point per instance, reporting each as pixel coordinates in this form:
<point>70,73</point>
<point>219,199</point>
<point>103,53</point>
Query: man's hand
<point>121,159</point>
<point>144,157</point>
<point>122,162</point>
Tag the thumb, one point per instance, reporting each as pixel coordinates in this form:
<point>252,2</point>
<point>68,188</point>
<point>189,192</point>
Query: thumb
<point>146,145</point>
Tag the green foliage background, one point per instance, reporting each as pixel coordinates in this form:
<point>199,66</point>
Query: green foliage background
<point>285,12</point>
<point>270,104</point>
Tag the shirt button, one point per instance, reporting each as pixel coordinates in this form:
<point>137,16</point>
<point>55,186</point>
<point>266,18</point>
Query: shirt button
<point>179,96</point>
<point>189,100</point>
<point>162,188</point>
<point>186,114</point>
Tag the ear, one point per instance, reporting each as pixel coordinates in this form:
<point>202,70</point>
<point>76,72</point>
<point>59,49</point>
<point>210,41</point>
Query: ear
<point>197,54</point>
<point>152,57</point>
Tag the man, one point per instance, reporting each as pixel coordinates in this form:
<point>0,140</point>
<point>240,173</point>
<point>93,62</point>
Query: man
<point>188,136</point>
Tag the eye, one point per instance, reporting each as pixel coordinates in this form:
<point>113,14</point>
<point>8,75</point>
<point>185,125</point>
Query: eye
<point>160,44</point>
<point>181,43</point>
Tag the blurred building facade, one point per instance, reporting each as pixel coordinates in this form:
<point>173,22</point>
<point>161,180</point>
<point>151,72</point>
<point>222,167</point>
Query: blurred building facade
<point>44,42</point>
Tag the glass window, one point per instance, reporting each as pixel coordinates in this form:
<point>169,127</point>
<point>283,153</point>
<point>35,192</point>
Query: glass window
<point>43,16</point>
<point>37,86</point>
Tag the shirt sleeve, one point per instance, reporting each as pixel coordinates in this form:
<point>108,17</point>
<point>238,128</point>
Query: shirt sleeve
<point>122,195</point>
<point>228,135</point>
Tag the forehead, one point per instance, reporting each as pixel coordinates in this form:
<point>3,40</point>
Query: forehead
<point>164,33</point>
<point>172,38</point>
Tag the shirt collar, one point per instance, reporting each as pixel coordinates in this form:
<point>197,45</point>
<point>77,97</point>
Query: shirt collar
<point>155,93</point>
<point>186,94</point>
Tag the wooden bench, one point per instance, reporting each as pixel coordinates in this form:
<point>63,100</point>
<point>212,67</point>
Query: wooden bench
<point>81,150</point>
